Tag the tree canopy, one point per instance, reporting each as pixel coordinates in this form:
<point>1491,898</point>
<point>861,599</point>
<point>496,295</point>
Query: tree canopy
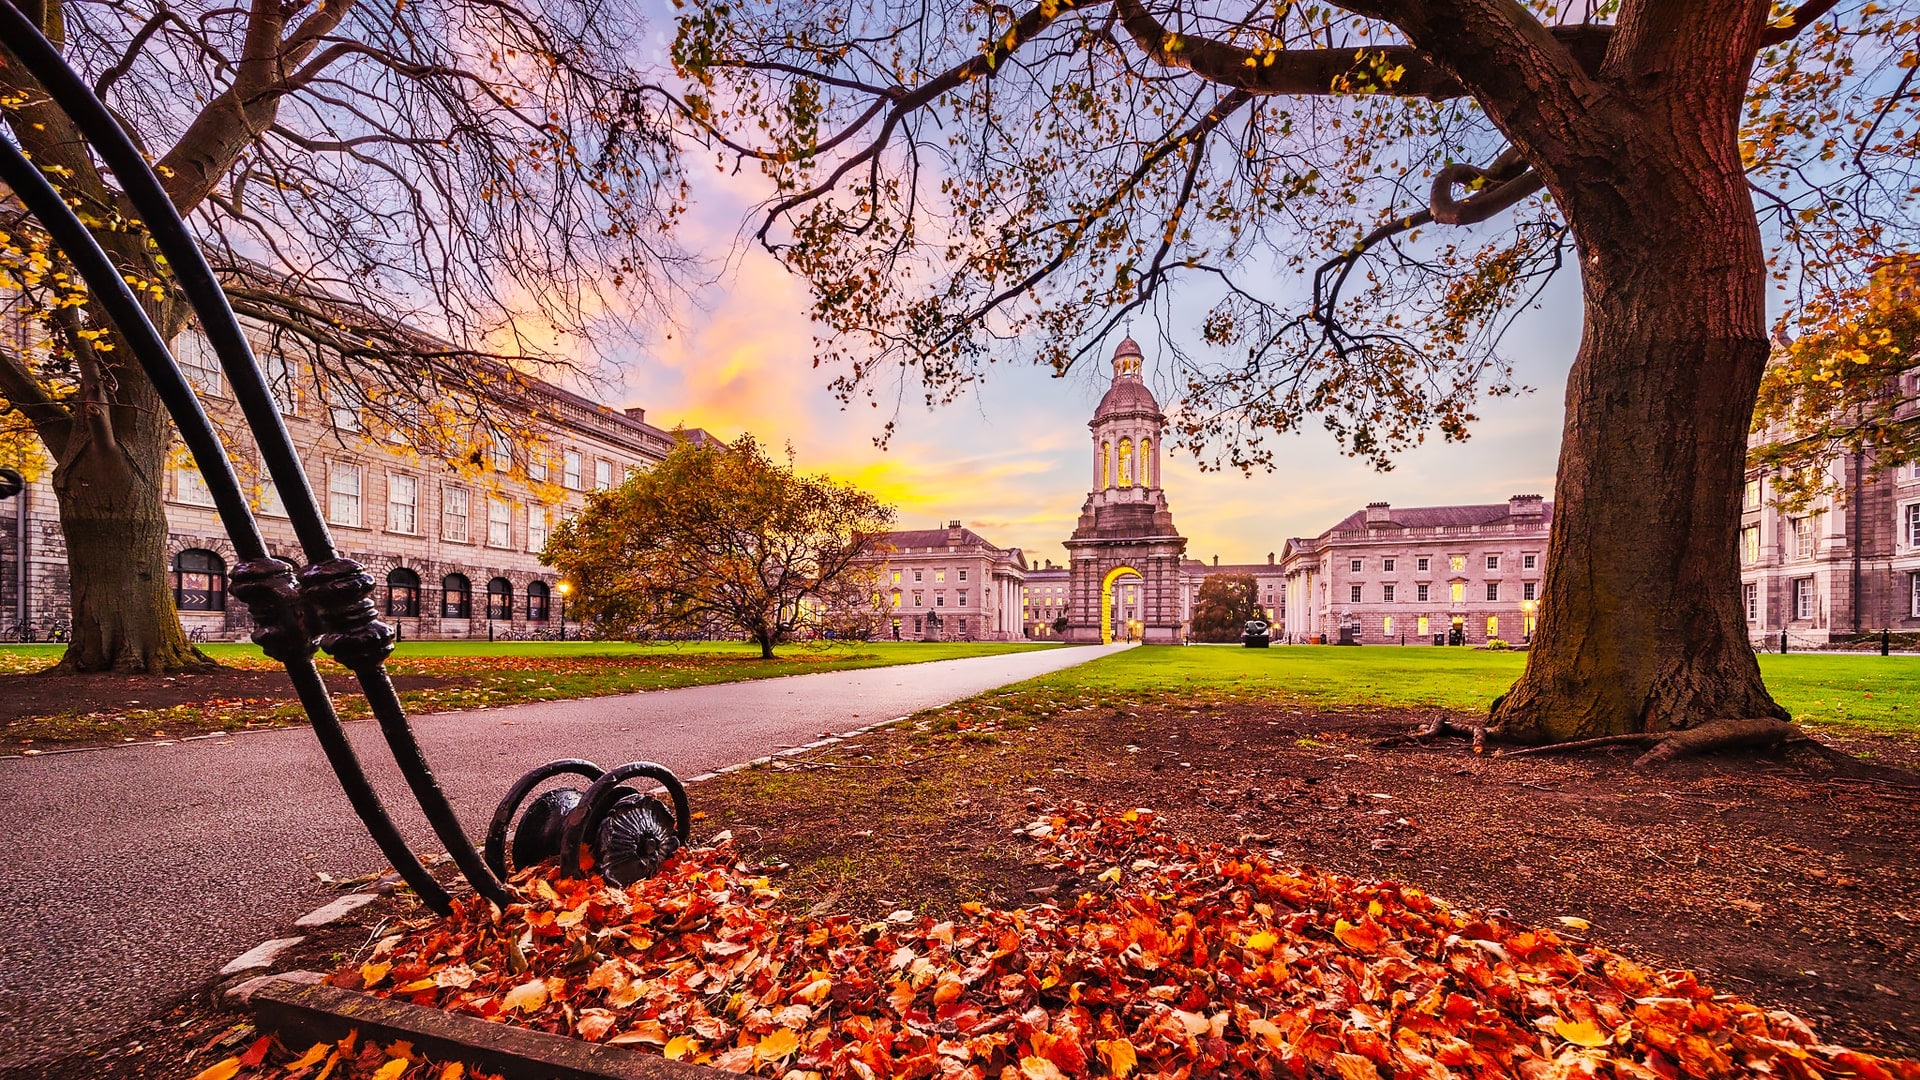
<point>724,537</point>
<point>1223,606</point>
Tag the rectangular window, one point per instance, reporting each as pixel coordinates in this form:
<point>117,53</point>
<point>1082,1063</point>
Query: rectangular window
<point>1354,565</point>
<point>1386,626</point>
<point>1493,562</point>
<point>499,522</point>
<point>1914,581</point>
<point>1457,592</point>
<point>1801,529</point>
<point>539,521</point>
<point>1752,500</point>
<point>1493,590</point>
<point>1803,598</point>
<point>1913,526</point>
<point>1457,562</point>
<point>602,474</point>
<point>1422,564</point>
<point>453,514</point>
<point>939,577</point>
<point>1420,592</point>
<point>536,465</point>
<point>939,599</point>
<point>1493,626</point>
<point>1529,562</point>
<point>501,452</point>
<point>896,577</point>
<point>963,575</point>
<point>1750,545</point>
<point>570,469</point>
<point>919,575</point>
<point>403,503</point>
<point>199,364</point>
<point>343,406</point>
<point>343,494</point>
<point>962,602</point>
<point>1386,593</point>
<point>1355,593</point>
<point>189,486</point>
<point>1527,590</point>
<point>1387,565</point>
<point>270,500</point>
<point>919,598</point>
<point>279,374</point>
<point>1420,625</point>
<point>1750,592</point>
<point>963,626</point>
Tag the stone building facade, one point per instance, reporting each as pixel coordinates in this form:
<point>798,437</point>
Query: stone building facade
<point>1045,599</point>
<point>1269,581</point>
<point>1384,575</point>
<point>1849,564</point>
<point>1126,528</point>
<point>953,584</point>
<point>453,547</point>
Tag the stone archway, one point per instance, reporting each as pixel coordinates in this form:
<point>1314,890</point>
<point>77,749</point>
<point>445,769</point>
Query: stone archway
<point>1107,585</point>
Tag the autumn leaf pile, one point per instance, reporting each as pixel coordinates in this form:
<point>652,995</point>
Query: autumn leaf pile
<point>1183,961</point>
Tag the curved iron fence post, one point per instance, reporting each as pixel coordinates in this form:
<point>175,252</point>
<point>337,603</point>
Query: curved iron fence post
<point>265,584</point>
<point>351,631</point>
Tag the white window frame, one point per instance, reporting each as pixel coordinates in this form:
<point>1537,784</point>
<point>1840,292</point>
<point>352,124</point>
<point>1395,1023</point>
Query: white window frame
<point>1353,565</point>
<point>1913,582</point>
<point>1750,599</point>
<point>1421,592</point>
<point>343,410</point>
<point>270,501</point>
<point>1911,512</point>
<point>539,527</point>
<point>1750,545</point>
<point>961,600</point>
<point>570,469</point>
<point>602,474</point>
<point>403,516</point>
<point>1493,592</point>
<point>279,372</point>
<point>1529,590</point>
<point>450,497</point>
<point>189,487</point>
<point>199,364</point>
<point>499,517</point>
<point>1386,565</point>
<point>500,452</point>
<point>1386,596</point>
<point>345,503</point>
<point>1493,562</point>
<point>1803,601</point>
<point>1529,561</point>
<point>1423,564</point>
<point>1353,594</point>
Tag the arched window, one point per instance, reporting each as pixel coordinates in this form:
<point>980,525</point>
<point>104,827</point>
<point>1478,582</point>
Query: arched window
<point>199,581</point>
<point>1146,463</point>
<point>1126,462</point>
<point>500,599</point>
<point>403,593</point>
<point>1106,459</point>
<point>456,597</point>
<point>537,601</point>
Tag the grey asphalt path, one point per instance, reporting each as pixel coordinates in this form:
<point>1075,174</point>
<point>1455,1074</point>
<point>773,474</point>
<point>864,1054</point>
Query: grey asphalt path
<point>128,876</point>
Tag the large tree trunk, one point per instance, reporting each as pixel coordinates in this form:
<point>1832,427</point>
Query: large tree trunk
<point>109,483</point>
<point>1641,628</point>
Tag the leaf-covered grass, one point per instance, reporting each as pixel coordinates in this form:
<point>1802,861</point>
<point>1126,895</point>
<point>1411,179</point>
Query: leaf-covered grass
<point>1873,693</point>
<point>439,676</point>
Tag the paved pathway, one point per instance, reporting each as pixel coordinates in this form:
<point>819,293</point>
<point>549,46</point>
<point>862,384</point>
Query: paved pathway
<point>129,875</point>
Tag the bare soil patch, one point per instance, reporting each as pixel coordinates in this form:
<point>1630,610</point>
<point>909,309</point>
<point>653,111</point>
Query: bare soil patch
<point>1788,887</point>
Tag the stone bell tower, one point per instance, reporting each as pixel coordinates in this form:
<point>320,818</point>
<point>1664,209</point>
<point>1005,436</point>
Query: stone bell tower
<point>1125,538</point>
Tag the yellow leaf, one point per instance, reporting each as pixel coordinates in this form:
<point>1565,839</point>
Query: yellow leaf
<point>1112,873</point>
<point>777,1045</point>
<point>813,992</point>
<point>224,1070</point>
<point>1267,1032</point>
<point>453,1071</point>
<point>392,1069</point>
<point>1119,1056</point>
<point>1574,922</point>
<point>311,1057</point>
<point>418,985</point>
<point>371,974</point>
<point>1580,1033</point>
<point>1039,1068</point>
<point>1264,941</point>
<point>530,996</point>
<point>646,1031</point>
<point>678,1047</point>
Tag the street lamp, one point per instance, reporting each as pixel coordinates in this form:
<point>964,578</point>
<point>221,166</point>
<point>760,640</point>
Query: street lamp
<point>566,589</point>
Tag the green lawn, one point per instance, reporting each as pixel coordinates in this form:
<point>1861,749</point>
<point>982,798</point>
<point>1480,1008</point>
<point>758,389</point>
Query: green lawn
<point>1871,692</point>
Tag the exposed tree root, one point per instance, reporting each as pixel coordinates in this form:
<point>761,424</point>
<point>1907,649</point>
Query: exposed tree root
<point>1439,727</point>
<point>1760,732</point>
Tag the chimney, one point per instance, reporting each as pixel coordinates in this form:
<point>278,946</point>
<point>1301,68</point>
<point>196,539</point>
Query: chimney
<point>1269,558</point>
<point>636,413</point>
<point>953,534</point>
<point>1526,506</point>
<point>1377,513</point>
<point>1216,560</point>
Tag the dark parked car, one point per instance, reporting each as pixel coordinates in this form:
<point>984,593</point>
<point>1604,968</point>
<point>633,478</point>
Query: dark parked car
<point>1255,635</point>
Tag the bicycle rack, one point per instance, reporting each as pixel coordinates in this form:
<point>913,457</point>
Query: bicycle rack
<point>326,604</point>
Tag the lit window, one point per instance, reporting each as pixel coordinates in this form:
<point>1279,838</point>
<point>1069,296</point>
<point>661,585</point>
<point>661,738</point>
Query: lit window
<point>199,581</point>
<point>199,364</point>
<point>537,601</point>
<point>1457,562</point>
<point>499,522</point>
<point>1493,626</point>
<point>1753,493</point>
<point>1493,590</point>
<point>1750,544</point>
<point>500,599</point>
<point>453,514</point>
<point>456,597</point>
<point>919,598</point>
<point>939,577</point>
<point>896,577</point>
<point>343,494</point>
<point>896,598</point>
<point>1420,625</point>
<point>403,593</point>
<point>1386,626</point>
<point>1457,592</point>
<point>403,503</point>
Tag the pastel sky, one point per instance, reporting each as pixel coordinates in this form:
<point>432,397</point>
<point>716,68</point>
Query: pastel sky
<point>1012,458</point>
